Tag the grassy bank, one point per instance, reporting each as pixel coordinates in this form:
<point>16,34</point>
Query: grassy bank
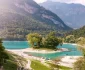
<point>53,66</point>
<point>14,62</point>
<point>37,65</point>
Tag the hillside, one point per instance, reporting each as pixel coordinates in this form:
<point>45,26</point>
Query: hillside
<point>72,14</point>
<point>78,33</point>
<point>14,62</point>
<point>20,17</point>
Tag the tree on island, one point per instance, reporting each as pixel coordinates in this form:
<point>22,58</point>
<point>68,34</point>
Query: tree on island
<point>34,39</point>
<point>50,41</point>
<point>3,55</point>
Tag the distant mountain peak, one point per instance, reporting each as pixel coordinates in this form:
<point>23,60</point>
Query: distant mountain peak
<point>72,14</point>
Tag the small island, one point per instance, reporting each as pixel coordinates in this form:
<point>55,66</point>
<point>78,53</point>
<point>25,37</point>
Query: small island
<point>48,42</point>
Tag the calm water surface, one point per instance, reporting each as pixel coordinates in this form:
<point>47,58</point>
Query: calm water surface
<point>16,44</point>
<point>24,44</point>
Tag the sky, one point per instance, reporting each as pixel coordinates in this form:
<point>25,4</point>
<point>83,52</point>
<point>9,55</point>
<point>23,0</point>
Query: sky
<point>40,1</point>
<point>66,1</point>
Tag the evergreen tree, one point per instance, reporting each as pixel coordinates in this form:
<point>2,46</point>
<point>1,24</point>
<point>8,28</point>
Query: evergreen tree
<point>3,54</point>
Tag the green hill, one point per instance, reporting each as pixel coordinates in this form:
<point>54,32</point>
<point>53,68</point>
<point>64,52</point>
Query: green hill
<point>14,62</point>
<point>78,32</point>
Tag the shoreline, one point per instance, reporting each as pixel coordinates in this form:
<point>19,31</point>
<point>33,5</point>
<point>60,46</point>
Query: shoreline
<point>65,60</point>
<point>70,43</point>
<point>31,50</point>
<point>68,61</point>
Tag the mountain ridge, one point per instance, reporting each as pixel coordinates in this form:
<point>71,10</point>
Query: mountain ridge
<point>72,14</point>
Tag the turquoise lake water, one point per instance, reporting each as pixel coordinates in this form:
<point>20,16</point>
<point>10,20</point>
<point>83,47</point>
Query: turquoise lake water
<point>16,44</point>
<point>24,44</point>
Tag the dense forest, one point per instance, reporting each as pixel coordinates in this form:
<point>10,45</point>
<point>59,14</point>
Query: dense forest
<point>78,32</point>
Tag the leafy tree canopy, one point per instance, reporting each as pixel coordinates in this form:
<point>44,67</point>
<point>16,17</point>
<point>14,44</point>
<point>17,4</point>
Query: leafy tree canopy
<point>49,41</point>
<point>70,39</point>
<point>34,39</point>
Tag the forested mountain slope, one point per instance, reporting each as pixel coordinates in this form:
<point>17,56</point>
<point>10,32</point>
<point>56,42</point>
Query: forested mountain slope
<point>78,32</point>
<point>20,17</point>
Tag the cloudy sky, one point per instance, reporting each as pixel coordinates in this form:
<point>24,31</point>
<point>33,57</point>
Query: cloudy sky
<point>66,1</point>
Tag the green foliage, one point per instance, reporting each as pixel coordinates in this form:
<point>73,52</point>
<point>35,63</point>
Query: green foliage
<point>81,41</point>
<point>36,65</point>
<point>55,64</point>
<point>14,62</point>
<point>10,65</point>
<point>3,54</point>
<point>80,64</point>
<point>78,32</point>
<point>59,67</point>
<point>34,39</point>
<point>50,41</point>
<point>70,39</point>
<point>83,50</point>
<point>9,60</point>
<point>65,68</point>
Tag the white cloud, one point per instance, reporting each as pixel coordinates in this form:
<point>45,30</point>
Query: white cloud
<point>66,1</point>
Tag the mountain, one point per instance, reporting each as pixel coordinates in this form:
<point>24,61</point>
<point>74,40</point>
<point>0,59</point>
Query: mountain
<point>78,32</point>
<point>72,14</point>
<point>20,17</point>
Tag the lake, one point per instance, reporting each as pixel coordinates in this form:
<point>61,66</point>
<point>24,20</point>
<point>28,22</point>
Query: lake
<point>15,44</point>
<point>73,51</point>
